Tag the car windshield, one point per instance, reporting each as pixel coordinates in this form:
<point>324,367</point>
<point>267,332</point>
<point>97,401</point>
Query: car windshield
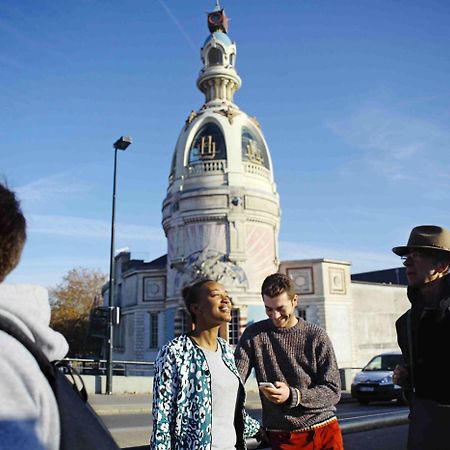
<point>383,362</point>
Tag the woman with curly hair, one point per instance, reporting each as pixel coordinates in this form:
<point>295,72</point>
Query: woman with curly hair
<point>198,396</point>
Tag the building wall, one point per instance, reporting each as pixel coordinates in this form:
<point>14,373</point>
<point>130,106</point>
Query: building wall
<point>359,317</point>
<point>140,292</point>
<point>376,307</point>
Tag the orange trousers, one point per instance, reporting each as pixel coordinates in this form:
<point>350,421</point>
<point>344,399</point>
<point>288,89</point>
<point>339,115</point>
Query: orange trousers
<point>328,437</point>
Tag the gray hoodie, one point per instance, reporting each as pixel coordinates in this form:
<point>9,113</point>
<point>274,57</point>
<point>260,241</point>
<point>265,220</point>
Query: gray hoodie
<point>26,398</point>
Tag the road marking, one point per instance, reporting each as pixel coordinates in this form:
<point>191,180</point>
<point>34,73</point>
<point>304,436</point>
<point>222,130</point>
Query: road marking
<point>131,429</point>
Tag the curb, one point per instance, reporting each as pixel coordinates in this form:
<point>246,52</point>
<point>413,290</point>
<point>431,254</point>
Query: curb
<point>119,409</point>
<point>116,409</point>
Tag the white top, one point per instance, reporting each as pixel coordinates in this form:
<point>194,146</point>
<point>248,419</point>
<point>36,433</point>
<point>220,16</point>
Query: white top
<point>224,389</point>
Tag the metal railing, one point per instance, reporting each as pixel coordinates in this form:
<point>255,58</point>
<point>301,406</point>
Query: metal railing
<point>120,367</point>
<point>355,424</point>
<point>373,422</point>
<point>350,425</point>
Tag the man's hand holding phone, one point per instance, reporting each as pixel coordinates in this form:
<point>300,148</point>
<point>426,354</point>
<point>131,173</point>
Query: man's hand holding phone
<point>277,392</point>
<point>266,384</point>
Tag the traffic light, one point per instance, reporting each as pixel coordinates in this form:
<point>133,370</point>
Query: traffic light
<point>98,322</point>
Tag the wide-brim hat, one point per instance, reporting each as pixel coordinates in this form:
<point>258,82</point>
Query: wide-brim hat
<point>430,237</point>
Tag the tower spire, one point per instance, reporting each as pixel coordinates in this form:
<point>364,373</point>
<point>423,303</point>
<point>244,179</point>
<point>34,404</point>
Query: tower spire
<point>218,79</point>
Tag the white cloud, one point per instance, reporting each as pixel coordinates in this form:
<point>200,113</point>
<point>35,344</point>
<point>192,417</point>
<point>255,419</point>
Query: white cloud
<point>80,227</point>
<point>53,187</point>
<point>397,145</point>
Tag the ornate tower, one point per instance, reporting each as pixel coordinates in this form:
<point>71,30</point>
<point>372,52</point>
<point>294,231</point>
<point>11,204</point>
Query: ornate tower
<point>221,214</point>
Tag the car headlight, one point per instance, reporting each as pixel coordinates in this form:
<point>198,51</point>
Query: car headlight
<point>386,380</point>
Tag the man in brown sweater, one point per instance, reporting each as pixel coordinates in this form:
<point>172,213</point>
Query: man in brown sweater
<point>297,357</point>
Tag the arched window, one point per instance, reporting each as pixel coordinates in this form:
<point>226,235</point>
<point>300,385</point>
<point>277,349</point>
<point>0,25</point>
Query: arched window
<point>253,148</point>
<point>173,165</point>
<point>215,57</point>
<point>208,144</point>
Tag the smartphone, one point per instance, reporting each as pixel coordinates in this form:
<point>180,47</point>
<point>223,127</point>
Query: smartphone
<point>266,384</point>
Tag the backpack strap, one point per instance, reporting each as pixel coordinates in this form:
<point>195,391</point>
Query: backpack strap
<point>8,326</point>
<point>47,368</point>
<point>81,427</point>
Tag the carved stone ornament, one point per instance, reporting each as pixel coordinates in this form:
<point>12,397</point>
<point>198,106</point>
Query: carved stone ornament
<point>229,113</point>
<point>191,117</point>
<point>255,121</point>
<point>210,264</point>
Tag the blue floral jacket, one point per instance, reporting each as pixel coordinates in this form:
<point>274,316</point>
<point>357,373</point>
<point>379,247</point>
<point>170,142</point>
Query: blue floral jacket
<point>182,400</point>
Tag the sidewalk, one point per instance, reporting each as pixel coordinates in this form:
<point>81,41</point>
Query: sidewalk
<point>142,403</point>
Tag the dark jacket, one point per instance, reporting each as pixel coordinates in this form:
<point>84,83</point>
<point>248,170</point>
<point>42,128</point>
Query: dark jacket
<point>430,338</point>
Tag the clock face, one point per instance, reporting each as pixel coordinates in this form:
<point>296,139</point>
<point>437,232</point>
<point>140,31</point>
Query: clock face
<point>215,19</point>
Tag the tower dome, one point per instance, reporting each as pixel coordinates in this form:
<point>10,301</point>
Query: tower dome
<point>221,214</point>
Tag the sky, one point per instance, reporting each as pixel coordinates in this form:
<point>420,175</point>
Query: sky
<point>353,97</point>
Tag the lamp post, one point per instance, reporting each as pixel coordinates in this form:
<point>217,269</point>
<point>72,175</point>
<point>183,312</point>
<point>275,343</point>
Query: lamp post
<point>121,144</point>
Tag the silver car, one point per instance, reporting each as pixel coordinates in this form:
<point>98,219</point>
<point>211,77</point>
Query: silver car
<point>374,382</point>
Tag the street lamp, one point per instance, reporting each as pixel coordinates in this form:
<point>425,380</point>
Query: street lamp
<point>121,144</point>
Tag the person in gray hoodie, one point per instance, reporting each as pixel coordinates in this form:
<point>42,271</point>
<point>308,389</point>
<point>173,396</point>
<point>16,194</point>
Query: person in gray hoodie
<point>29,416</point>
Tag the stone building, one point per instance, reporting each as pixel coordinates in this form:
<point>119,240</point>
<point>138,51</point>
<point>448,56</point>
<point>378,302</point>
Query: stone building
<point>221,217</point>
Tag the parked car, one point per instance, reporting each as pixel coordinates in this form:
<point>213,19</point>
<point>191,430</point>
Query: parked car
<point>374,382</point>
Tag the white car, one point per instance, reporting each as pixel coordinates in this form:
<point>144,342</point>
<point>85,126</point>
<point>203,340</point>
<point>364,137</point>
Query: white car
<point>374,382</point>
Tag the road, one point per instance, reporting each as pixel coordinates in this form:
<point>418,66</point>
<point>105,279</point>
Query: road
<point>133,429</point>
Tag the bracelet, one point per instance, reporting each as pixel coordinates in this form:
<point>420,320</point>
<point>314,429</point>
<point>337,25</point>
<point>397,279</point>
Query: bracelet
<point>299,396</point>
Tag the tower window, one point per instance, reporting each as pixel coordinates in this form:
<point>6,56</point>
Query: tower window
<point>173,165</point>
<point>208,144</point>
<point>153,330</point>
<point>234,327</point>
<point>215,57</point>
<point>301,312</point>
<point>253,148</point>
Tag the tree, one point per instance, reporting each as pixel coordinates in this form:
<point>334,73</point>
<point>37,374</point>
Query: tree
<point>71,302</point>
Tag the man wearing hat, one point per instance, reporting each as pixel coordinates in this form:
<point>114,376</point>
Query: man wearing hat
<point>423,334</point>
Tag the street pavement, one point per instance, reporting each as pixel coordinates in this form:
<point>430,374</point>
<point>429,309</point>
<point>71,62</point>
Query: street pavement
<point>129,416</point>
<point>142,403</point>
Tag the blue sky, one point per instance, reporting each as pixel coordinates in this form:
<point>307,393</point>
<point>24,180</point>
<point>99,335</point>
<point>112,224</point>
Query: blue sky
<point>353,97</point>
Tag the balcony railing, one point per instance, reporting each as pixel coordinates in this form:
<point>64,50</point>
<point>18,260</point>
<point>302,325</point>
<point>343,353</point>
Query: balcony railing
<point>256,169</point>
<point>206,167</point>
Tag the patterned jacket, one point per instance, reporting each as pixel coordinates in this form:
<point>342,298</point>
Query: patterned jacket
<point>182,399</point>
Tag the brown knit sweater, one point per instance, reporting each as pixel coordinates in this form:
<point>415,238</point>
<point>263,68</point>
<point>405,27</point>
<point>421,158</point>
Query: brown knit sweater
<point>301,356</point>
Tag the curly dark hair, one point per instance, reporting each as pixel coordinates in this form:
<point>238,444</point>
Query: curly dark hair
<point>12,231</point>
<point>276,284</point>
<point>192,292</point>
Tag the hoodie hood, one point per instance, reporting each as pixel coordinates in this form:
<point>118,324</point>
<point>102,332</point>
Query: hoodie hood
<point>28,307</point>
